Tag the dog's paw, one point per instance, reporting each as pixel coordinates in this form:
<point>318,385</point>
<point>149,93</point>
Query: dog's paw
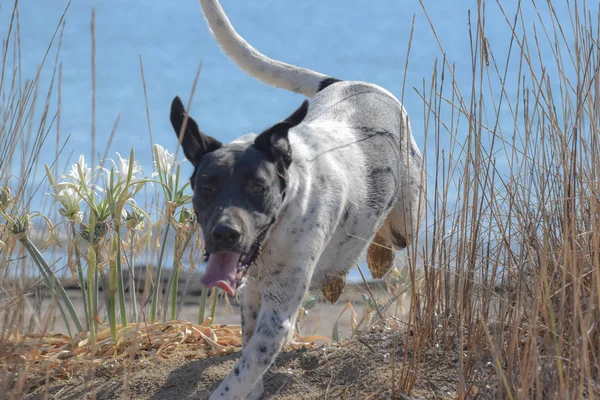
<point>221,394</point>
<point>380,257</point>
<point>334,288</point>
<point>258,391</point>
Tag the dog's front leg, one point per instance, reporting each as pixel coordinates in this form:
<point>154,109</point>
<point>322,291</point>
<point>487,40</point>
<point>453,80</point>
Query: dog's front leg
<point>282,297</point>
<point>249,308</point>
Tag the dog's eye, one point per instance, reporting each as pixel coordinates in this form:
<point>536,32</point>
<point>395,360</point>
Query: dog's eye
<point>257,188</point>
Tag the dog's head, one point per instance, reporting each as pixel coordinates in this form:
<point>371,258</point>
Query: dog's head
<point>238,191</point>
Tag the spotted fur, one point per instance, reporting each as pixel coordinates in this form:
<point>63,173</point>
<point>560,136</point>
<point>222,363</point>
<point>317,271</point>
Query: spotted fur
<point>348,169</point>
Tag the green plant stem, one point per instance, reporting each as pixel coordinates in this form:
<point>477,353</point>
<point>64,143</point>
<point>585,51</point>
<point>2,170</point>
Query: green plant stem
<point>120,285</point>
<point>213,307</point>
<point>110,291</point>
<point>169,286</point>
<point>202,307</point>
<point>175,280</point>
<point>82,283</point>
<point>132,287</point>
<point>110,301</point>
<point>154,304</point>
<point>92,282</point>
<point>84,296</point>
<point>53,282</point>
<point>174,288</point>
<point>95,295</point>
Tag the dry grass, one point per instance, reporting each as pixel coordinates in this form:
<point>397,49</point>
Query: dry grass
<point>526,210</point>
<point>34,359</point>
<point>508,274</point>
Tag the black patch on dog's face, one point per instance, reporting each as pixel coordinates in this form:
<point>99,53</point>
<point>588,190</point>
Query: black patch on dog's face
<point>241,185</point>
<point>237,185</point>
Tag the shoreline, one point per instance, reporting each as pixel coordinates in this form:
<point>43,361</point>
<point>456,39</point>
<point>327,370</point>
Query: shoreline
<point>320,320</point>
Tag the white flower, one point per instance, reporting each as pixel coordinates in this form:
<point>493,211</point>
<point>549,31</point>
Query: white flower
<point>69,198</point>
<point>167,169</point>
<point>79,177</point>
<point>80,172</point>
<point>122,170</point>
<point>164,161</point>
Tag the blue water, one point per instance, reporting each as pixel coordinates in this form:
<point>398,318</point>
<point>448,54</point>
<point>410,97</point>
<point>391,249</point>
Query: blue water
<point>362,40</point>
<point>359,40</point>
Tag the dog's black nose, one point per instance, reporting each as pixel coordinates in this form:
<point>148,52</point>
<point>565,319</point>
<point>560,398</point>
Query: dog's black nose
<point>224,233</point>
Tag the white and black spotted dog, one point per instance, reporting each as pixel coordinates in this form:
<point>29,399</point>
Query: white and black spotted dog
<point>294,207</point>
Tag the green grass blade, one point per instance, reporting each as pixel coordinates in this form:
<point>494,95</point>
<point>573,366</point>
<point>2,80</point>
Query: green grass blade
<point>335,335</point>
<point>52,281</point>
<point>61,308</point>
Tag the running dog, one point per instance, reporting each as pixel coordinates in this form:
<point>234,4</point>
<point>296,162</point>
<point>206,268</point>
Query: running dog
<point>293,208</point>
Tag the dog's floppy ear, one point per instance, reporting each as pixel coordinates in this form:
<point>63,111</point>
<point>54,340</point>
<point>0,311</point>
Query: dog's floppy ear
<point>274,141</point>
<point>193,142</point>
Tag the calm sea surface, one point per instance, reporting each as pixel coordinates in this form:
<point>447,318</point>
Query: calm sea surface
<point>352,40</point>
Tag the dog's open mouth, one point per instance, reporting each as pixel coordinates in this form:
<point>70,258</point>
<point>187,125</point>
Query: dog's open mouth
<point>227,270</point>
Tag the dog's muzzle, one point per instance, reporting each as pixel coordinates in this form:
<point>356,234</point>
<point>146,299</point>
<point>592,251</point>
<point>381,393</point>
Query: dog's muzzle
<point>227,269</point>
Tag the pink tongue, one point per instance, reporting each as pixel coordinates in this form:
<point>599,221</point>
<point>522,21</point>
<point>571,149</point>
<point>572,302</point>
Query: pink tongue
<point>220,271</point>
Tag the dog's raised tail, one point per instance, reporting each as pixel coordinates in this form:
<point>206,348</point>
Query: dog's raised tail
<point>256,64</point>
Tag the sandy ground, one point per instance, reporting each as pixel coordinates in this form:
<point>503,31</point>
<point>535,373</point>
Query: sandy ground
<point>368,365</point>
<point>365,367</point>
<point>373,364</point>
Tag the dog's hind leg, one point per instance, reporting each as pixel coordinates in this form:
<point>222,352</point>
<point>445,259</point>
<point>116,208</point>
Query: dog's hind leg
<point>397,231</point>
<point>402,223</point>
<point>406,215</point>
